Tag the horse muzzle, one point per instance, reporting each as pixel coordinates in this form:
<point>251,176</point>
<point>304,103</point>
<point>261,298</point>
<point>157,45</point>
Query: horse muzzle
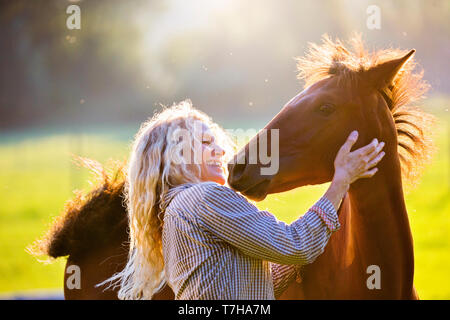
<point>247,179</point>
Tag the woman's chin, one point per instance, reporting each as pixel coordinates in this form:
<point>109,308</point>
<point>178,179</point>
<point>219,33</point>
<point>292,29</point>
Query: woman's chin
<point>214,174</point>
<point>219,179</point>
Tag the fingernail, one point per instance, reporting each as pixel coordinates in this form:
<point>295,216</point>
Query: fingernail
<point>354,133</point>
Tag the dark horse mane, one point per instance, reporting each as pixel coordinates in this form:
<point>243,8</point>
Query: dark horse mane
<point>91,221</point>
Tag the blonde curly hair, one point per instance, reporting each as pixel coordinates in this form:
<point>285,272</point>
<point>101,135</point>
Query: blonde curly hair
<point>156,164</point>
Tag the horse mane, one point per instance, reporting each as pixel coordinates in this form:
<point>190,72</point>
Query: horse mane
<point>414,126</point>
<point>88,221</point>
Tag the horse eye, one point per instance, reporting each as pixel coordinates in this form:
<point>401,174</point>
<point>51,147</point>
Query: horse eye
<point>207,142</point>
<point>326,109</point>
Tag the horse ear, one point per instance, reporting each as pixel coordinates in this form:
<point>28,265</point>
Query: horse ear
<point>383,74</point>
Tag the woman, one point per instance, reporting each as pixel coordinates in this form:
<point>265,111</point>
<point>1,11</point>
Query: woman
<point>201,237</point>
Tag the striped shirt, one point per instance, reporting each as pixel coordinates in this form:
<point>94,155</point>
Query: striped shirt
<point>217,245</point>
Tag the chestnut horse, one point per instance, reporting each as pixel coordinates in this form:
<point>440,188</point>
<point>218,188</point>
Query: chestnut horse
<point>344,91</point>
<point>348,91</point>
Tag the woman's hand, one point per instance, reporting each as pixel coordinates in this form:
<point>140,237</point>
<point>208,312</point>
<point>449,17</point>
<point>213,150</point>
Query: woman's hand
<point>351,166</point>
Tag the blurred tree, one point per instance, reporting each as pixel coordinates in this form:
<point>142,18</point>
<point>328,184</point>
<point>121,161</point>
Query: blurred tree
<point>233,58</point>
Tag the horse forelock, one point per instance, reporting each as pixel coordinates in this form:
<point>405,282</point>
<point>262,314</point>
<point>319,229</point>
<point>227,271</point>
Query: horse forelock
<point>349,61</point>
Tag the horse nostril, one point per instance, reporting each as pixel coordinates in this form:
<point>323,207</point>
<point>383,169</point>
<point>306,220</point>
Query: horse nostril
<point>237,168</point>
<point>238,171</point>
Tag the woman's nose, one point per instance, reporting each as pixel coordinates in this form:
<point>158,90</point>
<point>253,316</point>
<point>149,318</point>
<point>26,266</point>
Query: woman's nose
<point>218,151</point>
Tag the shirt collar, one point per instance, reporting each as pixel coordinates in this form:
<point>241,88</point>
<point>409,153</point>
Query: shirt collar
<point>168,197</point>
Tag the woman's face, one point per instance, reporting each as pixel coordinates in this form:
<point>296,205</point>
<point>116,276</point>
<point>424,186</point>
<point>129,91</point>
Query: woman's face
<point>213,166</point>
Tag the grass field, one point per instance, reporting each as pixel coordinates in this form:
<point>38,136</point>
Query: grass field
<point>37,177</point>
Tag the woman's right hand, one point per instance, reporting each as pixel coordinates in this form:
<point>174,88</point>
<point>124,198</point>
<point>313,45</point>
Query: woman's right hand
<point>350,166</point>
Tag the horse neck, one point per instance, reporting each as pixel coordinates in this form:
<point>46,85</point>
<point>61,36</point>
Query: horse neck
<point>380,222</point>
<point>380,199</point>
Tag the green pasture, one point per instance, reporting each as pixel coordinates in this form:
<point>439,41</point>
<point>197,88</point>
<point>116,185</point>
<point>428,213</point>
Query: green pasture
<point>37,177</point>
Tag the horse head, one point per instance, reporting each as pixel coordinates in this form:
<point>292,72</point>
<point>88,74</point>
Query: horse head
<point>343,92</point>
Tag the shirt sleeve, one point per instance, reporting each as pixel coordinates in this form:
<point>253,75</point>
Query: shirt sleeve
<point>230,217</point>
<point>282,276</point>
